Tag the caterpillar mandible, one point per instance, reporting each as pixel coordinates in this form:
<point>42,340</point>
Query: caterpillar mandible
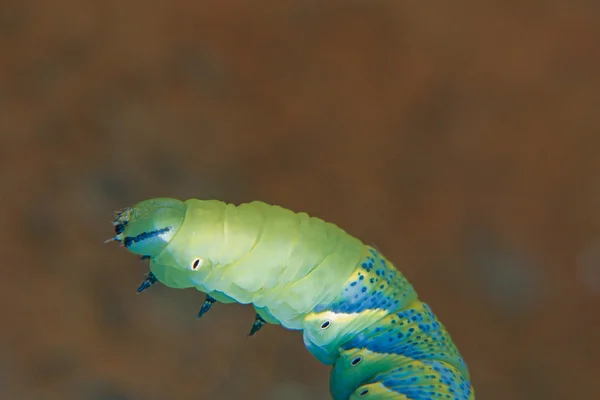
<point>357,312</point>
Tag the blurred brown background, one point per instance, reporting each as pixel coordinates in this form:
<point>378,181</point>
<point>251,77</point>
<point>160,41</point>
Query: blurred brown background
<point>460,139</point>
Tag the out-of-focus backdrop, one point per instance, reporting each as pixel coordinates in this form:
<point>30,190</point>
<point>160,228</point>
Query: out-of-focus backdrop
<point>461,139</point>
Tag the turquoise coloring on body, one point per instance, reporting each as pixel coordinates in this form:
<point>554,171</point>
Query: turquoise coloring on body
<point>357,312</point>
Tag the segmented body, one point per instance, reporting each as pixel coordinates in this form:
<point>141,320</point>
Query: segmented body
<point>356,310</point>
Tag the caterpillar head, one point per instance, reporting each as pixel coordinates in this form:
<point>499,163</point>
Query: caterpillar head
<point>147,227</point>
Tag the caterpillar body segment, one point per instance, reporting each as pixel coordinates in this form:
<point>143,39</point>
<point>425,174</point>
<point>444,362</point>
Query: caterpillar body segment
<point>357,312</point>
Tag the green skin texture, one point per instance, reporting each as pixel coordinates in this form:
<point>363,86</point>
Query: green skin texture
<point>290,266</point>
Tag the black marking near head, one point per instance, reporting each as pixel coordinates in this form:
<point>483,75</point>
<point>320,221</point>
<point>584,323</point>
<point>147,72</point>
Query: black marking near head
<point>129,240</point>
<point>119,228</point>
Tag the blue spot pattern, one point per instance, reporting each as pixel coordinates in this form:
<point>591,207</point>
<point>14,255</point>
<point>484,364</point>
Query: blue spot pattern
<point>375,284</point>
<point>415,333</point>
<point>427,380</point>
<point>409,330</point>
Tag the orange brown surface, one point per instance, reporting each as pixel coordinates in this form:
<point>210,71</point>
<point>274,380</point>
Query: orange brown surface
<point>461,139</point>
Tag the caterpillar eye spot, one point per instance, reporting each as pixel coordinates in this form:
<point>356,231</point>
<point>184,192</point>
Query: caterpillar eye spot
<point>325,324</point>
<point>363,392</point>
<point>119,228</point>
<point>196,263</point>
<point>356,361</point>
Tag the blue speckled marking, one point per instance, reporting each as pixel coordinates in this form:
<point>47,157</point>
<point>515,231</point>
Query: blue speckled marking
<point>413,332</point>
<point>427,380</point>
<point>374,285</point>
<point>410,329</point>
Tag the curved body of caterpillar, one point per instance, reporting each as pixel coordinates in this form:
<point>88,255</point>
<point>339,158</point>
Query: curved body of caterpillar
<point>357,312</point>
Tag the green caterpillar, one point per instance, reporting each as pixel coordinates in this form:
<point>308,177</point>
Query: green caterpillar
<point>357,312</point>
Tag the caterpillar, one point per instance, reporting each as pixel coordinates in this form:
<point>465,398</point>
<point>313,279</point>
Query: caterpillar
<point>356,311</point>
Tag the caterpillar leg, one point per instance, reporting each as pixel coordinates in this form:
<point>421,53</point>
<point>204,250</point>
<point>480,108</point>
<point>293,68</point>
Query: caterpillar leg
<point>149,281</point>
<point>208,303</point>
<point>257,325</point>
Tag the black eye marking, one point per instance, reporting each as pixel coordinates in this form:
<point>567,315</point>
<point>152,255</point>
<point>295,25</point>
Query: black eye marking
<point>119,228</point>
<point>128,241</point>
<point>196,263</point>
<point>356,361</point>
<point>363,392</point>
<point>325,324</point>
